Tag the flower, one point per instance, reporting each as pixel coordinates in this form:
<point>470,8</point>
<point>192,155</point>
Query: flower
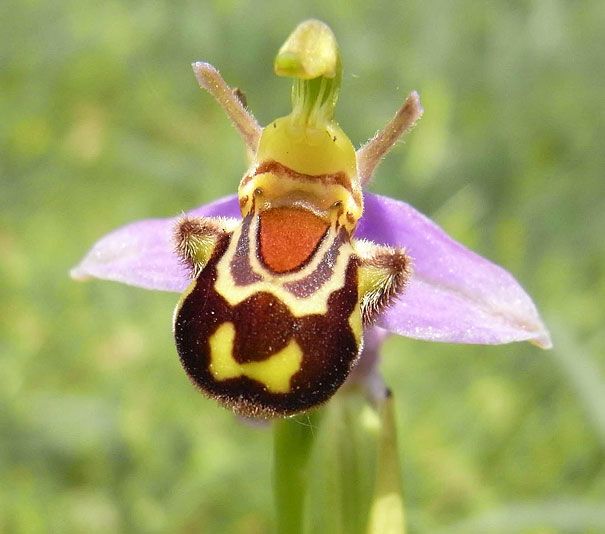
<point>453,295</point>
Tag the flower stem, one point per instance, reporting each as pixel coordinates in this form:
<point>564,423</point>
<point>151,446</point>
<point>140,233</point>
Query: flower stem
<point>387,514</point>
<point>292,444</point>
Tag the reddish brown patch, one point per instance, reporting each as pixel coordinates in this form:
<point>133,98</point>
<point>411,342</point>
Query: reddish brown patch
<point>288,237</point>
<point>274,167</point>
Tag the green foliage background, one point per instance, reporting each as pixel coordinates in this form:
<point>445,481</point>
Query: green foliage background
<point>102,123</point>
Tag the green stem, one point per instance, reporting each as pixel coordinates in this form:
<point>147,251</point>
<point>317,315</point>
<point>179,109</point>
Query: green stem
<point>292,442</point>
<point>387,515</point>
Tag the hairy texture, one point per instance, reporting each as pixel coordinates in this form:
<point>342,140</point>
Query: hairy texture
<point>230,100</point>
<point>196,237</point>
<point>384,272</point>
<point>370,154</point>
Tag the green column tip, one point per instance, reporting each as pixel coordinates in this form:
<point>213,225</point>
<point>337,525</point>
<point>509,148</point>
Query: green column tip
<point>309,52</point>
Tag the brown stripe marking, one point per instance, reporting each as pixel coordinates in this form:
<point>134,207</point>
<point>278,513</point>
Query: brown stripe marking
<point>240,267</point>
<point>274,167</point>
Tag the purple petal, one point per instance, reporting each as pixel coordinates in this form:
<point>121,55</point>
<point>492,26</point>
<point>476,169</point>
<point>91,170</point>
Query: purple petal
<point>454,295</point>
<point>142,253</point>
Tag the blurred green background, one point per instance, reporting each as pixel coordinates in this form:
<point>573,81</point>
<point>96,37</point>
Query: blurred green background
<point>102,123</point>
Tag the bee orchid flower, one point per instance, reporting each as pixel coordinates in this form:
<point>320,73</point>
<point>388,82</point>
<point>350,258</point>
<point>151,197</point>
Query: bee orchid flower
<point>280,281</point>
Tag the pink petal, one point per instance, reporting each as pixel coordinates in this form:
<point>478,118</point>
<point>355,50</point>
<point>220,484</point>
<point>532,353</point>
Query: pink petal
<point>454,295</point>
<point>142,253</point>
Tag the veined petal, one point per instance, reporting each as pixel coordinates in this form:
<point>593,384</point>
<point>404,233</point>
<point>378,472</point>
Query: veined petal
<point>454,295</point>
<point>142,253</point>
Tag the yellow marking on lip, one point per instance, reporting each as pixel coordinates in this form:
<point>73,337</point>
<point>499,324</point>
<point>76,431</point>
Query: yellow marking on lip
<point>356,324</point>
<point>317,303</point>
<point>274,373</point>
